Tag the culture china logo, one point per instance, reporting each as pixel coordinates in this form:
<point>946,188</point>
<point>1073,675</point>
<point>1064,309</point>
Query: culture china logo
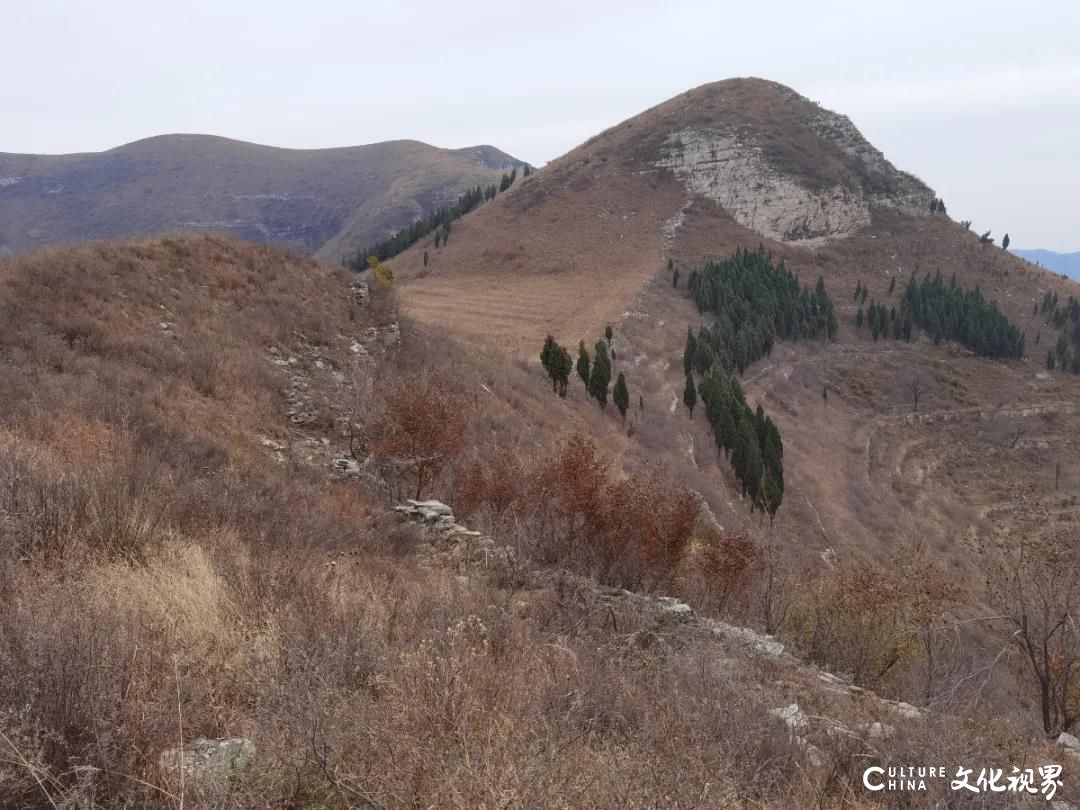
<point>1044,780</point>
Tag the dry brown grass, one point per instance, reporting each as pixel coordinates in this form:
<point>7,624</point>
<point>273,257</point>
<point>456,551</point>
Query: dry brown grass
<point>156,564</point>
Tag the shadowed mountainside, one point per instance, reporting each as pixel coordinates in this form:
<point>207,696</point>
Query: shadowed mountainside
<point>329,202</point>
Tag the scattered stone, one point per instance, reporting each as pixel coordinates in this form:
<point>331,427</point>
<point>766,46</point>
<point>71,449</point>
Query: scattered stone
<point>792,716</point>
<point>879,731</point>
<point>434,507</point>
<point>766,645</point>
<point>1070,743</point>
<point>905,710</point>
<point>360,292</point>
<point>674,610</point>
<point>209,761</point>
<point>349,466</point>
<point>277,447</point>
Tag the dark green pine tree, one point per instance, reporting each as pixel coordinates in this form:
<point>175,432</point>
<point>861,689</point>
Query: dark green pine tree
<point>689,352</point>
<point>548,359</point>
<point>689,396</point>
<point>771,495</point>
<point>600,378</point>
<point>621,396</point>
<point>425,258</point>
<point>609,333</point>
<point>859,318</point>
<point>583,364</point>
<point>565,367</point>
<point>892,285</point>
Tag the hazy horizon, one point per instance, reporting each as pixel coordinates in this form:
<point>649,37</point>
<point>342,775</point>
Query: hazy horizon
<point>981,106</point>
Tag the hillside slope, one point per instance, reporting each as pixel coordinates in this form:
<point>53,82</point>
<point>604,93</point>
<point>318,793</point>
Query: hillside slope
<point>326,201</point>
<point>586,242</point>
<point>179,561</point>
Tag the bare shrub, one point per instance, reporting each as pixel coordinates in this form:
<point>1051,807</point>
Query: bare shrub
<point>724,572</point>
<point>1034,581</point>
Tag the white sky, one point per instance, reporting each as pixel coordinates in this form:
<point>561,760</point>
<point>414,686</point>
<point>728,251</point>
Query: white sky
<point>980,99</point>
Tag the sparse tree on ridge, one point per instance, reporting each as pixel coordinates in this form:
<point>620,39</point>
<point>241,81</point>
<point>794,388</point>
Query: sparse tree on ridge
<point>1005,242</point>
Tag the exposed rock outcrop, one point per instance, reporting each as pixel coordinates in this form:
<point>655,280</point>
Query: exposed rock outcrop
<point>733,169</point>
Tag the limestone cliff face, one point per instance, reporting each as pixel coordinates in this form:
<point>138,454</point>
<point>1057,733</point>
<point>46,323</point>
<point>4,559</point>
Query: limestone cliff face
<point>741,175</point>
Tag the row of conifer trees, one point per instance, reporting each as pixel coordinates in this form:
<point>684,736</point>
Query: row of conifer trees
<point>437,221</point>
<point>756,301</point>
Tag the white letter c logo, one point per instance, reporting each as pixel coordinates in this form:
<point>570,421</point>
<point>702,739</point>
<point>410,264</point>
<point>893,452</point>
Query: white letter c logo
<point>866,778</point>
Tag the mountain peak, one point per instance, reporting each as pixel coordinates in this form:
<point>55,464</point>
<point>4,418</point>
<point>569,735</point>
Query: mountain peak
<point>778,162</point>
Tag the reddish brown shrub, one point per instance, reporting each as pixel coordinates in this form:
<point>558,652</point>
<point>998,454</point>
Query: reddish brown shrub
<point>422,427</point>
<point>727,566</point>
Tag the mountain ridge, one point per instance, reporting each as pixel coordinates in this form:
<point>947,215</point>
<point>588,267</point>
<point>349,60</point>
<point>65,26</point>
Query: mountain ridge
<point>328,202</point>
<point>1067,263</point>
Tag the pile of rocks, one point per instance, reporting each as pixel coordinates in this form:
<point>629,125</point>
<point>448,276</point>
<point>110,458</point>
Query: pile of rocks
<point>457,544</point>
<point>431,514</point>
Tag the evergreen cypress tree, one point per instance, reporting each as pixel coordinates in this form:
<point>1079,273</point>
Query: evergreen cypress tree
<point>689,352</point>
<point>564,366</point>
<point>600,378</point>
<point>548,359</point>
<point>689,396</point>
<point>621,396</point>
<point>608,333</point>
<point>425,258</point>
<point>583,364</point>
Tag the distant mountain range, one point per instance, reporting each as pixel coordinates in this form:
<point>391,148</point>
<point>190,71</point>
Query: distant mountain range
<point>1067,263</point>
<point>329,202</point>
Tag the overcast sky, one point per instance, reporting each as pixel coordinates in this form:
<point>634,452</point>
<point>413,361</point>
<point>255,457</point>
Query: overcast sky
<point>979,99</point>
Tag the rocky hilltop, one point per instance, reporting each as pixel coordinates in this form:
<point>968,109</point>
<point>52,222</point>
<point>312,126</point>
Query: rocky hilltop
<point>759,189</point>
